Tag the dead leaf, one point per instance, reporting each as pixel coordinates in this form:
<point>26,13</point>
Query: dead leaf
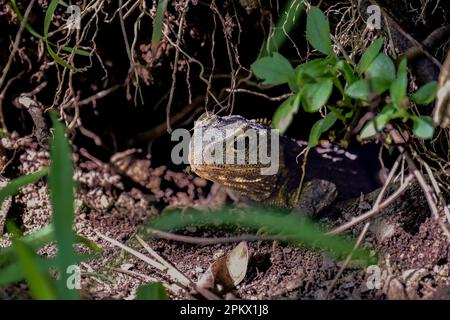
<point>395,290</point>
<point>227,271</point>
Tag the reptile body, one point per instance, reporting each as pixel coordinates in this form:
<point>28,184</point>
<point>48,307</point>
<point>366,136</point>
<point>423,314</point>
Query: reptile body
<point>291,186</point>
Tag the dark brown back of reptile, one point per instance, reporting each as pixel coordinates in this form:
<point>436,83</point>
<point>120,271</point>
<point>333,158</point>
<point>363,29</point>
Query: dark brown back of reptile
<point>351,175</point>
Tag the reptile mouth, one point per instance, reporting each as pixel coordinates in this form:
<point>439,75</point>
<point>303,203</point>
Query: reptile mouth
<point>213,170</point>
<point>236,177</point>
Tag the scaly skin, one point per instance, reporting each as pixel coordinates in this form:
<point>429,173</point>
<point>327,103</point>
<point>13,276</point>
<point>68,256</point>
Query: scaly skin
<point>282,189</point>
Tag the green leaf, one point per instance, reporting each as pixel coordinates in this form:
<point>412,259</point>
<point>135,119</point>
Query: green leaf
<point>389,109</point>
<point>314,68</point>
<point>375,126</point>
<point>349,114</point>
<point>39,283</point>
<point>158,22</point>
<point>14,186</point>
<point>423,127</point>
<point>282,118</point>
<point>339,113</point>
<point>62,187</point>
<point>287,22</point>
<point>347,70</point>
<point>274,70</point>
<point>153,291</point>
<point>359,90</point>
<point>318,31</point>
<point>369,55</point>
<point>316,95</point>
<point>310,72</point>
<point>383,68</point>
<point>320,127</point>
<point>426,94</point>
<point>400,85</point>
<point>380,85</point>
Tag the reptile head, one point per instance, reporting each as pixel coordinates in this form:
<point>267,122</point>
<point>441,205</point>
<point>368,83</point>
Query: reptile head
<point>235,152</point>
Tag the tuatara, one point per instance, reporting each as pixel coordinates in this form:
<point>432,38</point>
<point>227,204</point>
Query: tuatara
<point>288,187</point>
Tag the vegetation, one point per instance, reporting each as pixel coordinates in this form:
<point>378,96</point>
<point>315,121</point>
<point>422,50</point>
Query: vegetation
<point>20,262</point>
<point>77,92</point>
<point>313,84</point>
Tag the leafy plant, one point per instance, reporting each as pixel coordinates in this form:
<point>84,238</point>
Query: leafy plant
<point>20,261</point>
<point>340,90</point>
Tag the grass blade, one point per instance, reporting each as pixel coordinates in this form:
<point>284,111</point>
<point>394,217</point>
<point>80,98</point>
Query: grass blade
<point>40,238</point>
<point>157,23</point>
<point>293,11</point>
<point>34,240</point>
<point>14,186</point>
<point>47,21</point>
<point>40,285</point>
<point>153,291</point>
<point>62,197</point>
<point>12,272</point>
<point>292,228</point>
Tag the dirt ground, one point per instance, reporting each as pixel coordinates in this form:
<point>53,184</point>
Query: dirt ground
<point>125,178</point>
<point>413,252</point>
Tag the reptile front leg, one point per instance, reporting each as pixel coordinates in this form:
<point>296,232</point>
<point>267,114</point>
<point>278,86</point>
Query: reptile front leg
<point>316,195</point>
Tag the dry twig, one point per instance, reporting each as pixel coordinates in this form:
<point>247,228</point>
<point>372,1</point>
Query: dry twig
<point>179,279</point>
<point>209,241</point>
